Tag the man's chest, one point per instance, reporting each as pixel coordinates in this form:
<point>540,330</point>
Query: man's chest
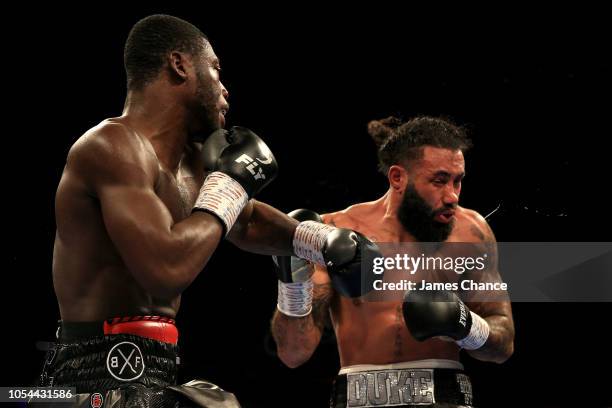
<point>179,192</point>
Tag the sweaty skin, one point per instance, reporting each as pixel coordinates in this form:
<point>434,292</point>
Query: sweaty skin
<point>374,332</point>
<point>126,240</point>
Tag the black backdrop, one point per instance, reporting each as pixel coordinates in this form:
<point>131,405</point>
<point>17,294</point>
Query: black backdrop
<point>531,87</point>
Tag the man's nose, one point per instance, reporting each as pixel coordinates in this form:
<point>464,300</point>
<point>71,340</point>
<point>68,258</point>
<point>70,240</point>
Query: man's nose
<point>224,91</point>
<point>451,197</point>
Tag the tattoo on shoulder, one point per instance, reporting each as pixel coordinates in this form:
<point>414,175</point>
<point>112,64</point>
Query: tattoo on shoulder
<point>477,232</point>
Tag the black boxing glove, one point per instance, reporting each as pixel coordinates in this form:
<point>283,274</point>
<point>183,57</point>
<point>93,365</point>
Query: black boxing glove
<point>212,148</point>
<point>241,165</point>
<point>343,252</point>
<point>242,155</point>
<point>295,285</point>
<point>430,314</point>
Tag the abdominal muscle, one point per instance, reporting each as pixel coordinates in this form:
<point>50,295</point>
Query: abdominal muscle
<point>375,333</point>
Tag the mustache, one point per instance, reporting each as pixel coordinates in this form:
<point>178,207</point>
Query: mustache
<point>443,209</point>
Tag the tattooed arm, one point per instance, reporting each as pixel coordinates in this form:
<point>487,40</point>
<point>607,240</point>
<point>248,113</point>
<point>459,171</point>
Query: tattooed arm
<point>495,308</point>
<point>298,337</point>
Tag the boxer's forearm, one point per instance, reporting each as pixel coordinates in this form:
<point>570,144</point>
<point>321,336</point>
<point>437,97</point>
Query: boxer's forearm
<point>296,338</point>
<point>263,229</point>
<point>500,343</point>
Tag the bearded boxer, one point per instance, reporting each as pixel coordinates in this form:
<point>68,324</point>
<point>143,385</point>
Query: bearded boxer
<point>140,208</point>
<point>400,353</point>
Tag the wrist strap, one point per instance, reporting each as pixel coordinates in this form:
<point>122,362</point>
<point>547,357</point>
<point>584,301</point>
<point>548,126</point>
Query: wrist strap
<point>479,333</point>
<point>223,196</point>
<point>309,239</point>
<point>295,299</point>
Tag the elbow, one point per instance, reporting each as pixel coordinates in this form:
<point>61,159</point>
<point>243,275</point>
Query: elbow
<point>162,281</point>
<point>161,290</point>
<point>504,354</point>
<point>508,352</point>
<point>508,348</point>
<point>293,358</point>
<point>293,347</point>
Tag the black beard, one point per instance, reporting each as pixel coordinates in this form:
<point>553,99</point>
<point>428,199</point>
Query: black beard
<point>417,218</point>
<point>205,111</point>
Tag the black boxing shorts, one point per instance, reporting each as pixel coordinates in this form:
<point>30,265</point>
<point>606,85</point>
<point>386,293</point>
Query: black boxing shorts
<point>415,384</point>
<point>125,362</point>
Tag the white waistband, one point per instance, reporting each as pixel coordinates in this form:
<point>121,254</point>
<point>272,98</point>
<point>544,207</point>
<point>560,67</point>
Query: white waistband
<point>429,363</point>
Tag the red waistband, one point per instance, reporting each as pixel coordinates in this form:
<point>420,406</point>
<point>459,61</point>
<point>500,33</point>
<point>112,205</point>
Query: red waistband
<point>152,327</point>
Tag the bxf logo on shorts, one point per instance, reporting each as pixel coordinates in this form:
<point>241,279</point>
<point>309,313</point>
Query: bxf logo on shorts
<point>96,400</point>
<point>124,361</point>
<point>252,165</point>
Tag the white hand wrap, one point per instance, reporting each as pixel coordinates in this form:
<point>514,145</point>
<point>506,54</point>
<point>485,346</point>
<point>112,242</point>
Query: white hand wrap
<point>295,299</point>
<point>308,240</point>
<point>479,333</point>
<point>223,196</point>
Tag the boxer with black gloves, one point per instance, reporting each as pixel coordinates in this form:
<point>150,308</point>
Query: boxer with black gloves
<point>395,353</point>
<point>141,206</point>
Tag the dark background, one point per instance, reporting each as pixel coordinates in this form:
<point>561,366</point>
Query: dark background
<point>532,88</point>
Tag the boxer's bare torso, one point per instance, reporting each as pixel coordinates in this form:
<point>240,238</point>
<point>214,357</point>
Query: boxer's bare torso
<point>374,332</point>
<point>91,280</point>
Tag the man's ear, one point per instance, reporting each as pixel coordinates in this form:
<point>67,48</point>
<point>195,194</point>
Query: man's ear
<point>398,178</point>
<point>179,65</point>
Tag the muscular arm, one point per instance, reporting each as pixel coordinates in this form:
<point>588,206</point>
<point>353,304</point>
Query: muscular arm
<point>120,169</point>
<point>298,337</point>
<point>500,344</point>
<point>498,314</point>
<point>264,230</point>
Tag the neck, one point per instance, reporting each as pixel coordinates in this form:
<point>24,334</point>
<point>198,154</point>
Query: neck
<point>154,112</point>
<point>391,223</point>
